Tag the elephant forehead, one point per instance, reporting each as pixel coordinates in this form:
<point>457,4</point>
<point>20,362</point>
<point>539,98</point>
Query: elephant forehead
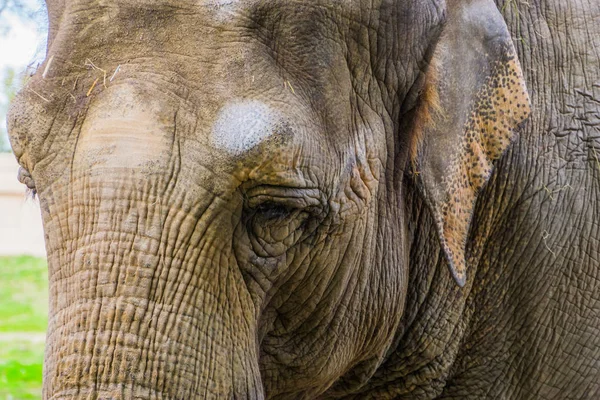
<point>242,125</point>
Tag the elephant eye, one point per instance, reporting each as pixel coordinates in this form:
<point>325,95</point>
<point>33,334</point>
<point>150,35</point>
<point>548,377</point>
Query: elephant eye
<point>278,218</point>
<point>271,210</point>
<point>274,220</point>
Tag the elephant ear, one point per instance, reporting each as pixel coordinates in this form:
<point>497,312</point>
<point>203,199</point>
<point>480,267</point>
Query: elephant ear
<point>474,98</point>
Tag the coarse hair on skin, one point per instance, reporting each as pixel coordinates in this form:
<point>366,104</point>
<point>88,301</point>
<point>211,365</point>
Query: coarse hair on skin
<point>429,109</point>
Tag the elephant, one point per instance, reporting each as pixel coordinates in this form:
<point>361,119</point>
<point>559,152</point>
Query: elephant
<point>286,199</point>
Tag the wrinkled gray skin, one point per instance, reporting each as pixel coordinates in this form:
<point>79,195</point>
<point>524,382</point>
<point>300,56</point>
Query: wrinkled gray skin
<point>532,317</point>
<point>238,213</point>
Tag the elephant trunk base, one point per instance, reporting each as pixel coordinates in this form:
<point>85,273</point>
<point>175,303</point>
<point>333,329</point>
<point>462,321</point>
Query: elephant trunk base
<point>128,324</point>
<point>116,349</point>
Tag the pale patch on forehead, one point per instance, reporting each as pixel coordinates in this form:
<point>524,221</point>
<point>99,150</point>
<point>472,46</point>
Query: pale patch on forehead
<point>223,10</point>
<point>242,125</point>
<point>222,3</point>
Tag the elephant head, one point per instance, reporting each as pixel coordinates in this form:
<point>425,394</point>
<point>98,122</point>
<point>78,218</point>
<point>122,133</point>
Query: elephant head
<point>221,183</point>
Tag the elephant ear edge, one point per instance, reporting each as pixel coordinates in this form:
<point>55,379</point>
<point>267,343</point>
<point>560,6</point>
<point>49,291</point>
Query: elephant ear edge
<point>474,99</point>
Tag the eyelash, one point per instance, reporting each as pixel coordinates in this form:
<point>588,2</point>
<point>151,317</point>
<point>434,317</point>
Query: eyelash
<point>272,210</point>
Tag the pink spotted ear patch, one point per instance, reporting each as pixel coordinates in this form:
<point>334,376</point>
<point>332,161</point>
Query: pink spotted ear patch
<point>500,106</point>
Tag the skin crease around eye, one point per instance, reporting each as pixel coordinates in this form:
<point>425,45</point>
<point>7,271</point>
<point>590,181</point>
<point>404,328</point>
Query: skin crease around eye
<point>274,226</point>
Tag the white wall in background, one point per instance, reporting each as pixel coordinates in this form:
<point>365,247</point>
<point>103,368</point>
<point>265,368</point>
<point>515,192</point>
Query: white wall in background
<point>20,221</point>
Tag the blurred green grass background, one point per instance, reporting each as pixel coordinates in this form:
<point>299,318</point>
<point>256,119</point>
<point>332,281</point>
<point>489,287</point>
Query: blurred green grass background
<point>23,319</point>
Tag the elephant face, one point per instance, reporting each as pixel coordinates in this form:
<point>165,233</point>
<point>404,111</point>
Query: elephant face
<point>221,183</point>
